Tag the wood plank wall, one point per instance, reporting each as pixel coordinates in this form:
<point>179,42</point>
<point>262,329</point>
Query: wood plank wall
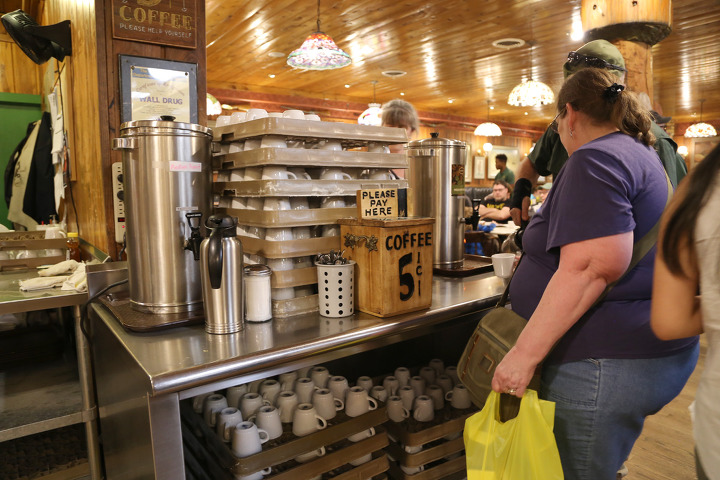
<point>18,74</point>
<point>110,102</point>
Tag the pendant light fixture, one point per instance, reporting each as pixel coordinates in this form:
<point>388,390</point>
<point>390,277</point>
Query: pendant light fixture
<point>373,114</point>
<point>530,93</point>
<point>318,52</point>
<point>488,129</point>
<point>700,130</point>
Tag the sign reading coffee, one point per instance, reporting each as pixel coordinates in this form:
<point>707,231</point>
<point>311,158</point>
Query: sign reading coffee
<point>165,22</point>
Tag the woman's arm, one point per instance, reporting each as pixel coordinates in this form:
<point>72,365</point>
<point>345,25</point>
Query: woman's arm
<point>585,269</point>
<point>675,309</point>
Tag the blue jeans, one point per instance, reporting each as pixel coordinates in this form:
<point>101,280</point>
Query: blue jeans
<point>601,405</point>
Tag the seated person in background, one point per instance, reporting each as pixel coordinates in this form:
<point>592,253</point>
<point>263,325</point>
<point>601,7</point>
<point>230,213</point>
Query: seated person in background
<point>505,173</point>
<point>495,207</point>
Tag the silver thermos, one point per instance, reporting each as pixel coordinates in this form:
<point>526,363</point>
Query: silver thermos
<point>221,270</point>
<point>436,175</point>
<point>167,177</point>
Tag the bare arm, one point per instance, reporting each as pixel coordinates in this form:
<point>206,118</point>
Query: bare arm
<point>525,170</point>
<point>675,309</point>
<point>585,269</point>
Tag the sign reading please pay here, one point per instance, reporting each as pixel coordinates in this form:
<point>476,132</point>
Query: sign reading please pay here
<point>382,203</point>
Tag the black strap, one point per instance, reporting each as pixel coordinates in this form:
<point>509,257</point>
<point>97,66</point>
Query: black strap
<point>640,248</point>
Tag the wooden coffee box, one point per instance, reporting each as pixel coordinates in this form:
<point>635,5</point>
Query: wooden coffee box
<point>394,263</point>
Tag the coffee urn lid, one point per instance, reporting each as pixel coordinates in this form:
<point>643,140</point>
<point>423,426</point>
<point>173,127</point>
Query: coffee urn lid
<point>436,142</point>
<point>166,124</point>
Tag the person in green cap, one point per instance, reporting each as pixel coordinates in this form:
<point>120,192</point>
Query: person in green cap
<point>549,155</point>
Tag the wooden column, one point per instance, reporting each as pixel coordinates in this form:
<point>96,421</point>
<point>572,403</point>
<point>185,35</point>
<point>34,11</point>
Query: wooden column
<point>633,26</point>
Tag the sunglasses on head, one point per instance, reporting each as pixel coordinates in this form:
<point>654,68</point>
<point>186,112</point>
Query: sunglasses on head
<point>574,59</point>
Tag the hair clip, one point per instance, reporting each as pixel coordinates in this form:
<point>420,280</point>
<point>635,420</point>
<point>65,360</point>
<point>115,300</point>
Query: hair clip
<point>611,93</point>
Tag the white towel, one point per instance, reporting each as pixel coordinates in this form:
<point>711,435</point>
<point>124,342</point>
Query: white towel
<point>77,281</point>
<point>40,283</point>
<point>64,267</point>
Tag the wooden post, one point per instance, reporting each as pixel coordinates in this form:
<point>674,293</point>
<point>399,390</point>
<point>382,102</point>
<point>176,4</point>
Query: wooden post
<point>633,27</point>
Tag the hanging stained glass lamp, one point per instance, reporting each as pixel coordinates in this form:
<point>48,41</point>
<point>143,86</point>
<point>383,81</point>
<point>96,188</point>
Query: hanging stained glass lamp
<point>318,52</point>
<point>530,93</point>
<point>700,129</point>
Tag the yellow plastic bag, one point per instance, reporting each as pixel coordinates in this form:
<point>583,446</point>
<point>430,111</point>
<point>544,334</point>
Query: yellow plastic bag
<point>523,448</point>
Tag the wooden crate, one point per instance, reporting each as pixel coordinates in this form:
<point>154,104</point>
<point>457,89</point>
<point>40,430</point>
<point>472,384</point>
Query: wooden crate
<point>394,263</point>
<point>442,456</point>
<point>208,453</point>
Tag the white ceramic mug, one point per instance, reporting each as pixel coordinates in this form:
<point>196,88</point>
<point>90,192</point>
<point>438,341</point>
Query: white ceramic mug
<point>445,382</point>
<point>286,404</point>
<point>339,386</point>
<point>365,382</point>
<point>358,402</point>
<point>212,406</point>
<point>437,394</point>
<point>403,376</point>
<point>503,264</point>
<point>226,421</point>
<point>459,397</point>
<point>306,457</point>
<point>381,174</point>
<point>304,387</point>
<point>269,389</point>
<point>326,404</point>
<point>312,117</point>
<point>276,203</point>
<point>234,394</point>
<point>222,120</point>
<point>296,114</point>
<point>273,141</point>
<point>378,148</point>
<point>282,293</point>
<point>423,410</point>
<point>451,371</point>
<point>418,384</point>
<point>238,117</point>
<point>330,231</point>
<point>438,365</point>
<point>332,202</point>
<point>198,402</point>
<point>428,373</point>
<point>279,234</point>
<point>379,393</point>
<point>253,173</point>
<point>391,384</point>
<point>306,420</point>
<point>255,113</point>
<point>356,437</point>
<point>395,409</point>
<point>277,172</point>
<point>252,144</point>
<point>247,439</point>
<point>331,145</point>
<point>320,376</point>
<point>268,418</point>
<point>301,233</point>
<point>407,395</point>
<point>251,403</point>
<point>334,173</point>
<point>300,173</point>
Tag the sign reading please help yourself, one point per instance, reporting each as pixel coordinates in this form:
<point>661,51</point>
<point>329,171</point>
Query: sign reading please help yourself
<point>164,22</point>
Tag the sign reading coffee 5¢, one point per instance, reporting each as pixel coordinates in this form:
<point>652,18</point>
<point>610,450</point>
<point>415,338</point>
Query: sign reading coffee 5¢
<point>394,259</point>
<point>165,22</point>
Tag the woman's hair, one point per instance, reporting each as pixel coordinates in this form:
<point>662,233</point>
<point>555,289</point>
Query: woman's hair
<point>680,227</point>
<point>400,113</point>
<point>594,92</point>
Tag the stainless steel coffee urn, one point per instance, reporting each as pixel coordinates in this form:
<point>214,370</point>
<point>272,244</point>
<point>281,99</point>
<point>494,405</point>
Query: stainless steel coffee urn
<point>436,175</point>
<point>167,179</point>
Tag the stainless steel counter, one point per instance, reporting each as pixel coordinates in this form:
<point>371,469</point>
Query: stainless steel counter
<point>182,358</point>
<point>13,300</point>
<point>141,377</point>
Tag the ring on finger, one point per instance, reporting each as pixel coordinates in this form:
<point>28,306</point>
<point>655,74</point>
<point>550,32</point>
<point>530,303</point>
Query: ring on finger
<point>511,391</point>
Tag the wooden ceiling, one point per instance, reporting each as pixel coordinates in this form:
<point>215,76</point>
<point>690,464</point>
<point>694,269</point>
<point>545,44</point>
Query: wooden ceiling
<point>445,46</point>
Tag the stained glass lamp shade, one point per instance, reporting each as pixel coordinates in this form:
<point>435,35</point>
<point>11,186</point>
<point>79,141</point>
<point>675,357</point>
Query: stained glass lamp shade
<point>318,52</point>
<point>530,93</point>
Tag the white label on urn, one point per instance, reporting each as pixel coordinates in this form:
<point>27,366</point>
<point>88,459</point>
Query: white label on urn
<point>176,166</point>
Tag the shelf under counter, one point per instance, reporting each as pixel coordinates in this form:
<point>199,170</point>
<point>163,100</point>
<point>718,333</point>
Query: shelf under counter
<point>181,359</point>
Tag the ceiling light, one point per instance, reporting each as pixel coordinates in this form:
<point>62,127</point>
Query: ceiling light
<point>271,75</point>
<point>451,100</point>
<point>402,94</point>
<point>372,115</point>
<point>699,130</point>
<point>394,73</point>
<point>318,52</point>
<point>530,93</point>
<point>508,43</point>
<point>488,129</point>
<point>487,147</point>
<point>347,85</point>
<point>682,151</point>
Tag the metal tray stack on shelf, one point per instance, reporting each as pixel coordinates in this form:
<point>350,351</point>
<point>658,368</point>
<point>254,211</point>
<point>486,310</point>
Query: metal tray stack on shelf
<point>239,198</point>
<point>207,457</point>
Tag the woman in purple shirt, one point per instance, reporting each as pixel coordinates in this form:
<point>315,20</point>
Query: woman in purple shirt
<point>603,366</point>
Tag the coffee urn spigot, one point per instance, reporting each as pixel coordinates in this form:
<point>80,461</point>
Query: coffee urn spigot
<point>194,220</point>
<point>474,219</point>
